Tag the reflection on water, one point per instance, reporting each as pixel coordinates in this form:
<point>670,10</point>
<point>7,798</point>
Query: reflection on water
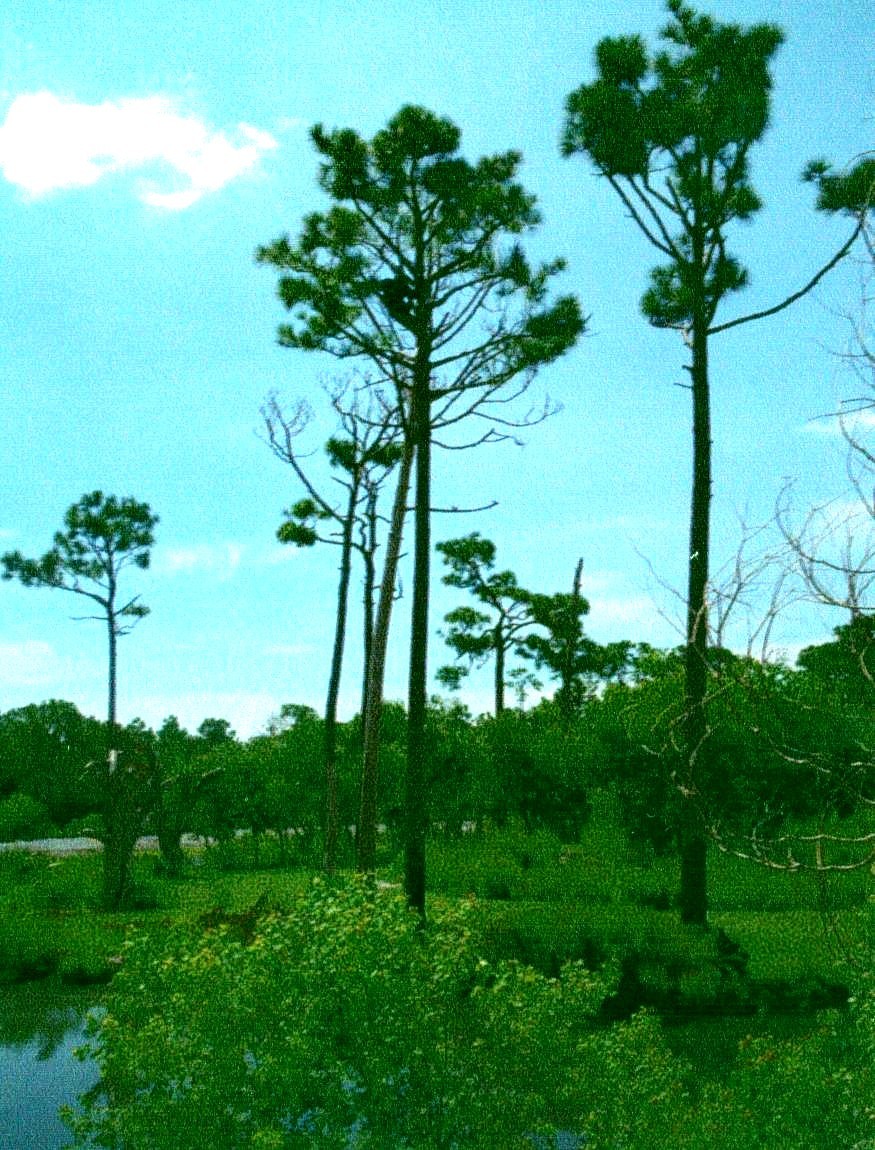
<point>40,1024</point>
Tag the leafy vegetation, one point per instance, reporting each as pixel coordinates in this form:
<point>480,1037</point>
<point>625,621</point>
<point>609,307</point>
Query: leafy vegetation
<point>332,1010</point>
<point>650,913</point>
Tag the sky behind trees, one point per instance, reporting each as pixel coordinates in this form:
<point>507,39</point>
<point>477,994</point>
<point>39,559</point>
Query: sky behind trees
<point>145,157</point>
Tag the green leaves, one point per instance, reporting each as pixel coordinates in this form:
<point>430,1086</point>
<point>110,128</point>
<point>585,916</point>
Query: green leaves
<point>672,134</point>
<point>604,120</point>
<point>475,635</point>
<point>299,526</point>
<point>103,535</point>
<point>622,61</point>
<point>851,192</point>
<point>412,255</point>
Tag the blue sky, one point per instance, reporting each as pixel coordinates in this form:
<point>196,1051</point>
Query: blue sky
<point>147,149</point>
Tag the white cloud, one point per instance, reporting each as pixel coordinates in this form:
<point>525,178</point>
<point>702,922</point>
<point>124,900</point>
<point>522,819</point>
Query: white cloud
<point>222,559</point>
<point>30,663</point>
<point>246,711</point>
<point>856,423</point>
<point>48,144</point>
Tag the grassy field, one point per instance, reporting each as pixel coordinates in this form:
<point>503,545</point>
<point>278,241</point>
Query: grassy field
<point>537,900</point>
<point>784,953</point>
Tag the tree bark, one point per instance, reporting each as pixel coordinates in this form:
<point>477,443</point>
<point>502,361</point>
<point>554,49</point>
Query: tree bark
<point>118,845</point>
<point>170,828</point>
<point>499,668</point>
<point>568,689</point>
<point>369,549</point>
<point>366,837</point>
<point>693,843</point>
<point>416,799</point>
<point>111,701</point>
<point>331,813</point>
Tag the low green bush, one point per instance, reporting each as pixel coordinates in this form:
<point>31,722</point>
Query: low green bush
<point>23,817</point>
<point>29,948</point>
<point>345,1014</point>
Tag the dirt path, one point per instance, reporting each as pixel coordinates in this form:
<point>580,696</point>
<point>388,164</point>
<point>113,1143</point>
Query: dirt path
<point>82,845</point>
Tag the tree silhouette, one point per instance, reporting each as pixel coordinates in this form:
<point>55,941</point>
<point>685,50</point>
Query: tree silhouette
<point>473,634</point>
<point>362,459</point>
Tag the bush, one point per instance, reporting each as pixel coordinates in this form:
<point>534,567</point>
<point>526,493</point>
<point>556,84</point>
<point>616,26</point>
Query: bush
<point>23,817</point>
<point>346,1014</point>
<point>28,949</point>
<point>87,826</point>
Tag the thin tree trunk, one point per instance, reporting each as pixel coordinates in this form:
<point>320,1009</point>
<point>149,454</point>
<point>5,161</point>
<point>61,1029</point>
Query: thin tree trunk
<point>499,669</point>
<point>693,843</point>
<point>170,846</point>
<point>369,549</point>
<point>331,814</point>
<point>111,707</point>
<point>568,686</point>
<point>116,851</point>
<point>416,816</point>
<point>366,837</point>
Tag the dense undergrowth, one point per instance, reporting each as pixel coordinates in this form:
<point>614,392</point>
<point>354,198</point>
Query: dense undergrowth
<point>552,989</point>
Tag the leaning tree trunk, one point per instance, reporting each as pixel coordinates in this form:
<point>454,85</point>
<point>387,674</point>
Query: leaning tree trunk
<point>368,550</point>
<point>366,834</point>
<point>331,813</point>
<point>693,841</point>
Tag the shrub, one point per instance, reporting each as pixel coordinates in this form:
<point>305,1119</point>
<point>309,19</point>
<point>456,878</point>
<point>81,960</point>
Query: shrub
<point>23,817</point>
<point>346,1014</point>
<point>28,949</point>
<point>87,826</point>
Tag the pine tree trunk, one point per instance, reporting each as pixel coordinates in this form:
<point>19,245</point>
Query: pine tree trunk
<point>693,842</point>
<point>116,855</point>
<point>416,813</point>
<point>368,552</point>
<point>499,669</point>
<point>366,837</point>
<point>331,812</point>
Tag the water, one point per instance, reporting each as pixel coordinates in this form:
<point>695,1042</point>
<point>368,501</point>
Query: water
<point>40,1024</point>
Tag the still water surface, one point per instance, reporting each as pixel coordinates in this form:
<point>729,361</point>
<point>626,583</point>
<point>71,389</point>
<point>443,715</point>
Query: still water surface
<point>40,1024</point>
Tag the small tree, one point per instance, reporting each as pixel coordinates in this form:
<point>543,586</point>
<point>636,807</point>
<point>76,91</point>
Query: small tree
<point>362,459</point>
<point>562,647</point>
<point>103,536</point>
<point>475,635</point>
<point>414,268</point>
<point>672,134</point>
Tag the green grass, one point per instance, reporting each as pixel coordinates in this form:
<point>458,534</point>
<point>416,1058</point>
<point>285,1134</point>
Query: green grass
<point>50,921</point>
<point>537,900</point>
